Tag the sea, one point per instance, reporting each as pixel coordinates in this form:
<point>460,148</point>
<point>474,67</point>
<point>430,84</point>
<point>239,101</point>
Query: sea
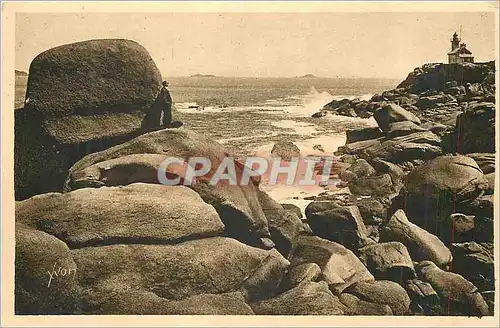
<point>249,115</point>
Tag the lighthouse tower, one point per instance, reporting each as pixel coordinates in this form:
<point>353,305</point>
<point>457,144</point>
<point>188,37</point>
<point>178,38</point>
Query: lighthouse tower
<point>455,42</point>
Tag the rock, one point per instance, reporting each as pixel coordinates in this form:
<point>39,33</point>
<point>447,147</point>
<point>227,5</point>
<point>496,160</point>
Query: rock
<point>294,209</point>
<point>203,266</point>
<point>340,268</point>
<point>357,147</point>
<point>475,262</point>
<point>283,225</point>
<point>434,101</point>
<point>463,226</point>
<point>45,274</point>
<point>383,292</point>
<point>320,206</point>
<point>92,77</point>
<point>362,169</point>
<point>372,211</point>
<point>99,94</point>
<point>458,295</point>
<point>391,113</point>
<point>403,128</point>
<point>490,177</point>
<point>389,261</point>
<point>237,205</point>
<point>319,114</point>
<point>89,217</point>
<point>363,134</point>
<point>423,297</point>
<point>415,146</point>
<point>435,76</point>
<point>135,302</point>
<point>485,161</point>
<point>379,185</point>
<point>360,307</point>
<point>347,176</point>
<point>436,128</point>
<point>421,244</point>
<point>475,129</point>
<point>440,184</point>
<point>300,274</point>
<point>343,225</point>
<point>312,298</point>
<point>396,172</point>
<point>285,150</point>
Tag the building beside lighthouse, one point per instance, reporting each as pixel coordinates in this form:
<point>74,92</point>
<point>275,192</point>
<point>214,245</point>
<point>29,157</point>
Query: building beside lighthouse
<point>459,52</point>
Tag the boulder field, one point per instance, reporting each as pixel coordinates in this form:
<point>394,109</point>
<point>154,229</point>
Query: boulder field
<point>98,233</point>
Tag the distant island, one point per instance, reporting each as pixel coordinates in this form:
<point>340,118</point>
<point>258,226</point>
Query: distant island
<point>307,76</point>
<point>203,75</point>
<point>21,73</point>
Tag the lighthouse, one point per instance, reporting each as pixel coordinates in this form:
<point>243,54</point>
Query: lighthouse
<point>459,52</point>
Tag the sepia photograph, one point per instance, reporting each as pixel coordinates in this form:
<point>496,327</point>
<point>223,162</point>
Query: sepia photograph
<point>271,160</point>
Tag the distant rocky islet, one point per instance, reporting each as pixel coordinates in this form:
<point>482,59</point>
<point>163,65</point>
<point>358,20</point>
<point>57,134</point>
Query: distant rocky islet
<point>114,241</point>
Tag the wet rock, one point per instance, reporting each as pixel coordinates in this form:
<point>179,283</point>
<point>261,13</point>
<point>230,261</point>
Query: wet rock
<point>383,292</point>
<point>204,266</point>
<point>294,209</point>
<point>356,306</point>
<point>389,261</point>
<point>137,302</point>
<point>340,268</point>
<point>458,296</point>
<point>312,298</point>
<point>440,185</point>
<point>421,244</point>
<point>475,262</point>
<point>285,150</point>
<point>398,129</point>
<point>45,274</point>
<point>424,298</point>
<point>343,225</point>
<point>363,134</point>
<point>391,113</point>
<point>300,274</point>
<point>89,217</point>
<point>283,225</point>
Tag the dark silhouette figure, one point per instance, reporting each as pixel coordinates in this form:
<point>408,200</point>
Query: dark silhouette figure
<point>165,103</point>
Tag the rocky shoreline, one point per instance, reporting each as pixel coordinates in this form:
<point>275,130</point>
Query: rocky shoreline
<point>97,234</point>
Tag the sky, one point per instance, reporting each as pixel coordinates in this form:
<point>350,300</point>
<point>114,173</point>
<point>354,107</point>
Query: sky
<point>382,45</point>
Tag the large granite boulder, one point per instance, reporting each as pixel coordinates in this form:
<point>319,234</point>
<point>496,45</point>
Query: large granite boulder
<point>286,150</point>
<point>475,262</point>
<point>138,213</point>
<point>383,292</point>
<point>356,306</point>
<point>284,225</point>
<point>458,296</point>
<point>45,274</point>
<point>421,244</point>
<point>434,189</point>
<point>391,113</point>
<point>340,268</point>
<point>389,261</point>
<point>311,298</point>
<point>203,266</point>
<point>81,98</point>
<point>238,205</point>
<point>138,302</point>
